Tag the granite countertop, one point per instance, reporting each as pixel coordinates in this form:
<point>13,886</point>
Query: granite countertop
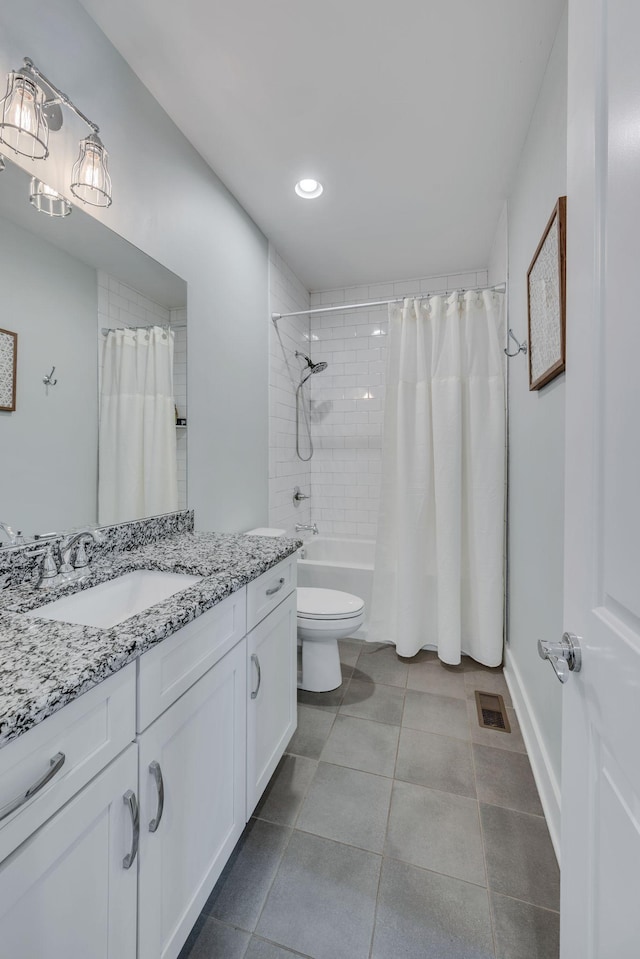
<point>45,664</point>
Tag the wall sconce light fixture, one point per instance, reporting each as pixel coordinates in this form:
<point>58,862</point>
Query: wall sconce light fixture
<point>31,108</point>
<point>47,200</point>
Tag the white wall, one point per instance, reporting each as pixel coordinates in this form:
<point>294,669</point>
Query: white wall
<point>347,400</point>
<point>48,478</point>
<point>168,203</point>
<point>499,255</point>
<point>536,495</point>
<point>287,295</point>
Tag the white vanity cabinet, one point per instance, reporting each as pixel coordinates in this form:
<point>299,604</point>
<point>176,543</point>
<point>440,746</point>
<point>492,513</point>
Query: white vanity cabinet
<point>194,756</point>
<point>64,893</point>
<point>271,695</point>
<point>211,709</point>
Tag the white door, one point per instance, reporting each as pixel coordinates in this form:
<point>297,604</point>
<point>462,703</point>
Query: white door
<point>600,900</point>
<point>65,893</point>
<point>271,696</point>
<point>199,746</point>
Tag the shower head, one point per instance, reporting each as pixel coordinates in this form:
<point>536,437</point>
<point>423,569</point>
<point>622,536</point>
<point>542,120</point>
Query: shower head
<point>313,367</point>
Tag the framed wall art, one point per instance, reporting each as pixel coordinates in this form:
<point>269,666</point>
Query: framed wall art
<point>8,365</point>
<point>546,301</point>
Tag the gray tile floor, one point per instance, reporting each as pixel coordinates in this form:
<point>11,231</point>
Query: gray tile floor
<point>394,828</point>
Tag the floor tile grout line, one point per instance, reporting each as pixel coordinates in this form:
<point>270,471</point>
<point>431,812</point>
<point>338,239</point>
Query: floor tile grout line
<point>412,782</point>
<point>525,902</point>
<point>273,879</point>
<point>484,854</point>
<point>435,872</point>
<point>386,833</point>
<point>341,842</point>
<point>272,942</point>
<point>367,720</point>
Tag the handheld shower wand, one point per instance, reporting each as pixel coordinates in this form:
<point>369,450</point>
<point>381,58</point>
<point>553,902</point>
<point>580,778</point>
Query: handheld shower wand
<point>306,373</point>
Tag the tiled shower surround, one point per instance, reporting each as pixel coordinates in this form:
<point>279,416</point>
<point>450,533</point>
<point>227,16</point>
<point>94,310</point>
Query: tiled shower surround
<point>347,400</point>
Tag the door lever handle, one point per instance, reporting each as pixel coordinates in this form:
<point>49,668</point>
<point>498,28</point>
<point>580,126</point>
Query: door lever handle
<point>565,656</point>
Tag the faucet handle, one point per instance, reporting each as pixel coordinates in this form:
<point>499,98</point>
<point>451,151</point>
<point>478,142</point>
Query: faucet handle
<point>49,565</point>
<point>81,556</point>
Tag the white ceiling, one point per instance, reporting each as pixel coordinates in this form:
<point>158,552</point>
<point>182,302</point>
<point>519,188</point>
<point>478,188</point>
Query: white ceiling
<point>412,113</point>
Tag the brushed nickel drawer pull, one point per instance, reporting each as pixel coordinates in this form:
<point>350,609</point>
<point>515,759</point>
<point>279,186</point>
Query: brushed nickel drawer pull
<point>256,663</point>
<point>276,589</point>
<point>55,764</point>
<point>130,800</point>
<point>156,772</point>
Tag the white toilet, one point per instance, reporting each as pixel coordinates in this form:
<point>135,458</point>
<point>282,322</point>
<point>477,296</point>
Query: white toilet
<point>324,617</point>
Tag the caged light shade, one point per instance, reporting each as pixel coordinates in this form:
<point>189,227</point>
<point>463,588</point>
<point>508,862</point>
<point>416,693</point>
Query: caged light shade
<point>90,180</point>
<point>23,125</point>
<point>46,200</point>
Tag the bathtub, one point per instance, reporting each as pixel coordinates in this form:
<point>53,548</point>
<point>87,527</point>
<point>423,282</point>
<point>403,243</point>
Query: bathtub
<point>334,563</point>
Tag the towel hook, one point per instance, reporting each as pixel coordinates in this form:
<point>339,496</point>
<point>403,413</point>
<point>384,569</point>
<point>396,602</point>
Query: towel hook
<point>522,347</point>
<point>48,379</point>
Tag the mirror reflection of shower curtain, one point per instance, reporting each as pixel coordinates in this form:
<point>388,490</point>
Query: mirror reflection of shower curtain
<point>137,467</point>
<point>438,578</point>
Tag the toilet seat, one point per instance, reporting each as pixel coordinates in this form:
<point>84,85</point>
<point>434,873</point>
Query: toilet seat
<point>327,605</point>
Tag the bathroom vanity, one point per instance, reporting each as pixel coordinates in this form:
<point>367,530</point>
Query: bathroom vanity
<point>152,772</point>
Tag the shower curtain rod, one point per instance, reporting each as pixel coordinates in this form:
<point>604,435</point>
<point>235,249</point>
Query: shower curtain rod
<point>165,326</point>
<point>343,307</point>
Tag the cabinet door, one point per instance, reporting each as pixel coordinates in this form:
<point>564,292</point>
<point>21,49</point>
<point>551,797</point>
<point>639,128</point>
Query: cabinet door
<point>271,697</point>
<point>64,893</point>
<point>199,747</point>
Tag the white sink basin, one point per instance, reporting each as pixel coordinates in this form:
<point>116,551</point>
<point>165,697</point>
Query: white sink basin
<point>111,603</point>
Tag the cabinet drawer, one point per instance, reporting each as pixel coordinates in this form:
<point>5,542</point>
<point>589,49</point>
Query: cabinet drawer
<point>89,732</point>
<point>268,590</point>
<point>168,670</point>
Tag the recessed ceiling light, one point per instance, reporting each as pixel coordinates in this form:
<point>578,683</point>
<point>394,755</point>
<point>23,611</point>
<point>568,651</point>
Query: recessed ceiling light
<point>309,188</point>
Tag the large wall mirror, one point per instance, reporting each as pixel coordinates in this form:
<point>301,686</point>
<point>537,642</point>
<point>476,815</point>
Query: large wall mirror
<point>66,283</point>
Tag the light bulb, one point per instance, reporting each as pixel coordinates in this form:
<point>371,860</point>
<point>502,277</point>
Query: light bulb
<point>90,180</point>
<point>308,188</point>
<point>23,126</point>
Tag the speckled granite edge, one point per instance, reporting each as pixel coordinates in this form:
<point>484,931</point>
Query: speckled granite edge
<point>45,664</point>
<point>17,566</point>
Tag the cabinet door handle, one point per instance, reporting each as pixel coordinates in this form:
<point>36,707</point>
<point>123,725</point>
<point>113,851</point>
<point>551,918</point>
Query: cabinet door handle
<point>256,663</point>
<point>130,800</point>
<point>276,589</point>
<point>55,764</point>
<point>156,772</point>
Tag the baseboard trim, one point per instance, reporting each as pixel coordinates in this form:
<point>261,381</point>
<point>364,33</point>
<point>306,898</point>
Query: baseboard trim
<point>548,785</point>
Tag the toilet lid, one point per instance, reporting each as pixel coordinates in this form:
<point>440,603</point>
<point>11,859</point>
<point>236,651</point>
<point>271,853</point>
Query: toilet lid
<point>315,603</point>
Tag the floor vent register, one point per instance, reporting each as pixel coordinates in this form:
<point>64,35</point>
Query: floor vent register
<point>492,713</point>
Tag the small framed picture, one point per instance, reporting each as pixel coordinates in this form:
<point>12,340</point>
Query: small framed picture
<point>546,301</point>
<point>8,366</point>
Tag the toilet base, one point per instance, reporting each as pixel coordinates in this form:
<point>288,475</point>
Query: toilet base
<point>321,670</point>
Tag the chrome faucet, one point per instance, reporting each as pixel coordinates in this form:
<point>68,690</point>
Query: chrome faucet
<point>302,526</point>
<point>53,575</point>
<point>79,538</point>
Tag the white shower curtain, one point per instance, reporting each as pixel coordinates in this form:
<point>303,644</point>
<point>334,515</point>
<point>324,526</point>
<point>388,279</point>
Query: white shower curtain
<point>137,468</point>
<point>438,577</point>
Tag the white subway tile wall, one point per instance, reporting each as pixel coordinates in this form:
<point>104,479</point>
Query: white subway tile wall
<point>286,295</point>
<point>121,305</point>
<point>347,401</point>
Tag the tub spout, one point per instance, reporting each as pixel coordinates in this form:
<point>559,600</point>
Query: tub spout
<point>302,526</point>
